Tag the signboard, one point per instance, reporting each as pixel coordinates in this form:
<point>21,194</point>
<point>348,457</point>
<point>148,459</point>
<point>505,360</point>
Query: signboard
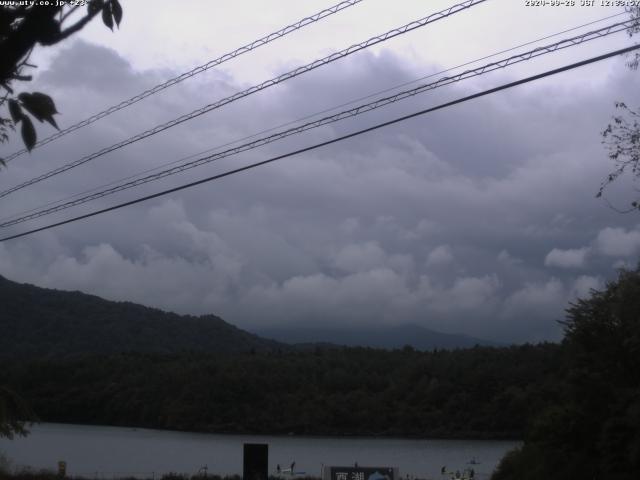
<point>255,461</point>
<point>361,473</point>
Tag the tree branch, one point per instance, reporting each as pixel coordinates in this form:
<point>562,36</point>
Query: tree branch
<point>17,45</point>
<point>77,26</point>
<point>69,12</point>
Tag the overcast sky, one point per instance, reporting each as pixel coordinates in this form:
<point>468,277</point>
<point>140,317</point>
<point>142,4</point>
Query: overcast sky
<point>478,219</point>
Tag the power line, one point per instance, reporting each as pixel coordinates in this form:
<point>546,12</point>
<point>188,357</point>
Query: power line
<point>256,88</point>
<point>195,71</point>
<point>381,102</point>
<point>329,142</point>
<point>298,120</point>
<point>306,117</point>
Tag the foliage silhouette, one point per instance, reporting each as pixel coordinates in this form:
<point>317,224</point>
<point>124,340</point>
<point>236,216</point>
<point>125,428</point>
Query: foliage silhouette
<point>13,413</point>
<point>483,392</point>
<point>23,26</point>
<point>622,135</point>
<point>594,430</point>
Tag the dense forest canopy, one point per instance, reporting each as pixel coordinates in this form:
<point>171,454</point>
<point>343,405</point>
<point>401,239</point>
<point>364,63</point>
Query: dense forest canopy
<point>576,404</point>
<point>482,392</point>
<point>40,322</point>
<point>78,358</point>
<point>592,430</point>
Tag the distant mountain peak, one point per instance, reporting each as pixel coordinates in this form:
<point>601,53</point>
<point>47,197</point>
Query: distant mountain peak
<point>376,336</point>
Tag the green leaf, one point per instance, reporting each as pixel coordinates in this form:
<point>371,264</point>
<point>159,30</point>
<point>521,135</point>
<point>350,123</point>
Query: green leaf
<point>117,11</point>
<point>46,101</point>
<point>28,133</point>
<point>15,111</point>
<point>107,15</point>
<point>94,6</point>
<point>40,106</point>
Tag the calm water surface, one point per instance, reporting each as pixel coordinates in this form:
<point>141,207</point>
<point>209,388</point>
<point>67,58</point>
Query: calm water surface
<point>107,452</point>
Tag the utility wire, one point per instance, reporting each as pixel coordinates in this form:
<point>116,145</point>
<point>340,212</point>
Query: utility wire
<point>306,117</point>
<point>382,102</point>
<point>298,120</point>
<point>267,39</point>
<point>195,71</point>
<point>335,140</point>
<point>256,88</point>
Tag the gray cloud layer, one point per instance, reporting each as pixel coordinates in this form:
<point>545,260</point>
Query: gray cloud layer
<point>479,219</point>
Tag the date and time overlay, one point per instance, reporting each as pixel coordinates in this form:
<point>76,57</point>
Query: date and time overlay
<point>581,3</point>
<point>526,3</point>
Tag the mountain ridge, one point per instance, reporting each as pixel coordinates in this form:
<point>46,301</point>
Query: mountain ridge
<point>42,322</point>
<point>386,337</point>
<point>37,321</point>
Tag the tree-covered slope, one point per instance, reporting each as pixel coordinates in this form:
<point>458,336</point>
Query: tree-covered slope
<point>37,322</point>
<point>592,429</point>
<point>482,392</point>
<point>78,358</point>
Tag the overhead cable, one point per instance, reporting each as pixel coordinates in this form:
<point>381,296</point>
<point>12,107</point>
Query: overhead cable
<point>301,119</point>
<point>191,73</point>
<point>332,141</point>
<point>269,83</point>
<point>382,102</point>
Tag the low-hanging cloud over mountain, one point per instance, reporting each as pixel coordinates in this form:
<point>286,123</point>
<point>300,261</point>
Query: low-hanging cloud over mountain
<point>480,219</point>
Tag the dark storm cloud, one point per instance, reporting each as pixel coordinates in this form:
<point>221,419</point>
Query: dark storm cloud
<point>479,219</point>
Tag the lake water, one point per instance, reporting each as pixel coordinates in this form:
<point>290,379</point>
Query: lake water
<point>109,452</point>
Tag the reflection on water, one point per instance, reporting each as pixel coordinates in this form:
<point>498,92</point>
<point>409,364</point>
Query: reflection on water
<point>111,451</point>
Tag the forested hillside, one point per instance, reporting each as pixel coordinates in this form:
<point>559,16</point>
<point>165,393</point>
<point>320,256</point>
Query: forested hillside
<point>576,404</point>
<point>37,322</point>
<point>591,429</point>
<point>40,321</point>
<point>482,392</point>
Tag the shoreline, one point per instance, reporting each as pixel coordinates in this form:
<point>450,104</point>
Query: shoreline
<point>97,452</point>
<point>336,436</point>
